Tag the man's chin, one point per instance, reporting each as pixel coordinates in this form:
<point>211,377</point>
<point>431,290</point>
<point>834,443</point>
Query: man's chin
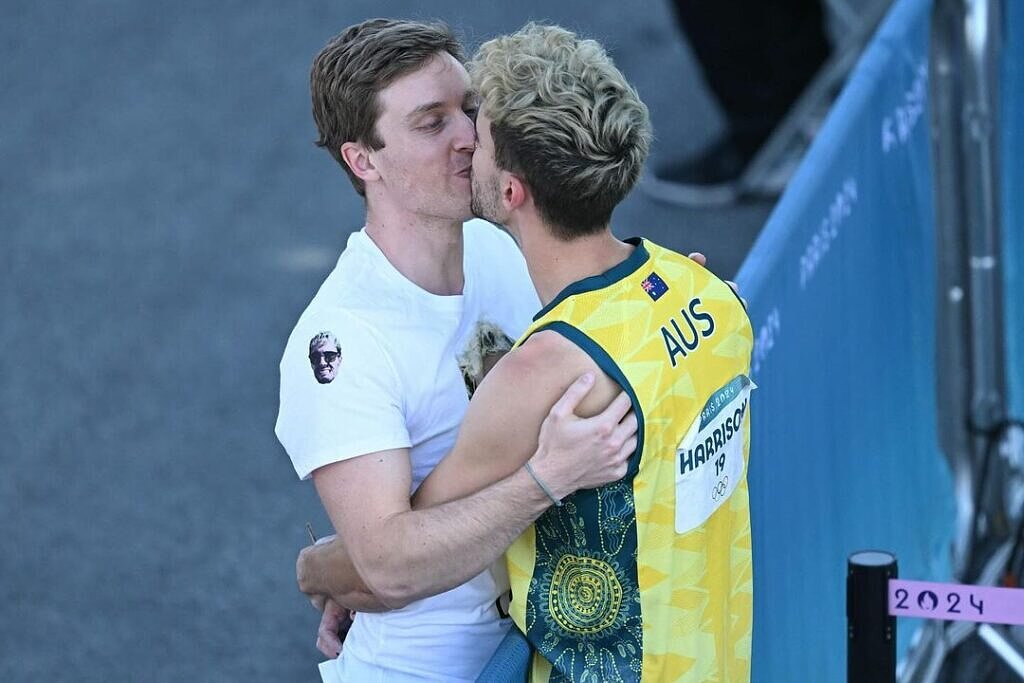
<point>465,212</point>
<point>478,213</point>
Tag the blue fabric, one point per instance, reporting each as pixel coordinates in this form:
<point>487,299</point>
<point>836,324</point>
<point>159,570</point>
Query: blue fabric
<point>510,662</point>
<point>841,285</point>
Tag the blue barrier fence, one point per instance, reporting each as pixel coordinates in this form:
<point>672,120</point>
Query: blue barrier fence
<point>841,285</point>
<point>1013,198</point>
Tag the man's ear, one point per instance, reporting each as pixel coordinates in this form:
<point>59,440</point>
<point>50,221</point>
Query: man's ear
<point>515,192</point>
<point>357,158</point>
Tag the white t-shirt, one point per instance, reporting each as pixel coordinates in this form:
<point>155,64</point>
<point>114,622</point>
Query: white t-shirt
<point>374,364</point>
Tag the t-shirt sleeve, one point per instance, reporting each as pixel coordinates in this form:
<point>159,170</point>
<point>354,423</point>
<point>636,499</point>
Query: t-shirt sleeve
<point>336,407</point>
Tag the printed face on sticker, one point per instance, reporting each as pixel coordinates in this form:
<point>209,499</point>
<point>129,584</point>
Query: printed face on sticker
<point>324,357</point>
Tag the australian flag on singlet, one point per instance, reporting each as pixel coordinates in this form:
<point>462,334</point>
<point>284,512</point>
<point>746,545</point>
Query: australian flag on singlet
<point>654,286</point>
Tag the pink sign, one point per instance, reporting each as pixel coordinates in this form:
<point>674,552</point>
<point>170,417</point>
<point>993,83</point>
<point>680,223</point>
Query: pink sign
<point>956,602</point>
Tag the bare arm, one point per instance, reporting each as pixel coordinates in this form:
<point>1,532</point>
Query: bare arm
<point>351,591</point>
<point>493,444</point>
<point>406,554</point>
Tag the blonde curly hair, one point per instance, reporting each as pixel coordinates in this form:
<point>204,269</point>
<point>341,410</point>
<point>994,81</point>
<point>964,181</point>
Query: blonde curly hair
<point>565,120</point>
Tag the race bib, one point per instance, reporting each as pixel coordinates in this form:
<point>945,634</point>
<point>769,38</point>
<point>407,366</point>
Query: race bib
<point>709,459</point>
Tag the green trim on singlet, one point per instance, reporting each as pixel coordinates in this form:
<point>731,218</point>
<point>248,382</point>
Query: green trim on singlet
<point>583,604</point>
<point>610,368</point>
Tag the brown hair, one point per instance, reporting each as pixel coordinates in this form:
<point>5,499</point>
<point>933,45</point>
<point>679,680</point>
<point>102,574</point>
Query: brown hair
<point>356,65</point>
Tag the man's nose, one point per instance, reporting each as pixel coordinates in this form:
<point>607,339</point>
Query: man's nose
<point>465,137</point>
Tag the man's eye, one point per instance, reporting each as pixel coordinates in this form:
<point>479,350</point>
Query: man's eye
<point>433,124</point>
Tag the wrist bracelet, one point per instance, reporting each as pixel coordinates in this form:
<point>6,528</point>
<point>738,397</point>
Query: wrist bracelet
<point>543,487</point>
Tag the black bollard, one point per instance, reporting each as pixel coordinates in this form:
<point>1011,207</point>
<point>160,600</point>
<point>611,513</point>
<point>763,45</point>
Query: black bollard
<point>870,631</point>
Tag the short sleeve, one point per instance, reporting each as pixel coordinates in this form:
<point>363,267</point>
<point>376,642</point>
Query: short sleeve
<point>340,394</point>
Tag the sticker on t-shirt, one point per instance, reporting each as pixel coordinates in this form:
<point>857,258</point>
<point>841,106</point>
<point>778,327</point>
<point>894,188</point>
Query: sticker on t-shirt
<point>324,357</point>
<point>486,346</point>
<point>709,459</point>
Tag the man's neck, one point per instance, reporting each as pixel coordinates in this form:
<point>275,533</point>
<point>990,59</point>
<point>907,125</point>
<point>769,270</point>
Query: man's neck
<point>428,253</point>
<point>554,264</point>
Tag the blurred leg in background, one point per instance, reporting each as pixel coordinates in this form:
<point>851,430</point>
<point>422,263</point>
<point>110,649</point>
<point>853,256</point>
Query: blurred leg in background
<point>756,56</point>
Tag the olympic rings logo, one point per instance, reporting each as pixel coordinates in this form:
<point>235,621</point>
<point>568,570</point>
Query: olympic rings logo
<point>720,490</point>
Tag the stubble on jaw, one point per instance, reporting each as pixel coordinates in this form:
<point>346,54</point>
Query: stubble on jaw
<point>484,202</point>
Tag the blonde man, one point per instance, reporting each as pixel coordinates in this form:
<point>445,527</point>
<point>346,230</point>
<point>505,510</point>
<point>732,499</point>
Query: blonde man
<point>324,357</point>
<point>648,578</point>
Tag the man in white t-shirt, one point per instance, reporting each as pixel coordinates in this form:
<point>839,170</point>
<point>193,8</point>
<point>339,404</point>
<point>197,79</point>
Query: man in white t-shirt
<point>415,295</point>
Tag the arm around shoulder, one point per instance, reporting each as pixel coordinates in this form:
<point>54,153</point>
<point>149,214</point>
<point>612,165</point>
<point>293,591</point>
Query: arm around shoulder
<point>408,554</point>
<point>499,431</point>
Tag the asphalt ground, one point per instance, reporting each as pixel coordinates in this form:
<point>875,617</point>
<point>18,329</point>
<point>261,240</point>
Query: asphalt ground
<point>164,218</point>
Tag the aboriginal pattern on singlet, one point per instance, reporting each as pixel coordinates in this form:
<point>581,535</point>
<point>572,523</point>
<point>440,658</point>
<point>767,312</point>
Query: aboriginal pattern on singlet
<point>650,578</point>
